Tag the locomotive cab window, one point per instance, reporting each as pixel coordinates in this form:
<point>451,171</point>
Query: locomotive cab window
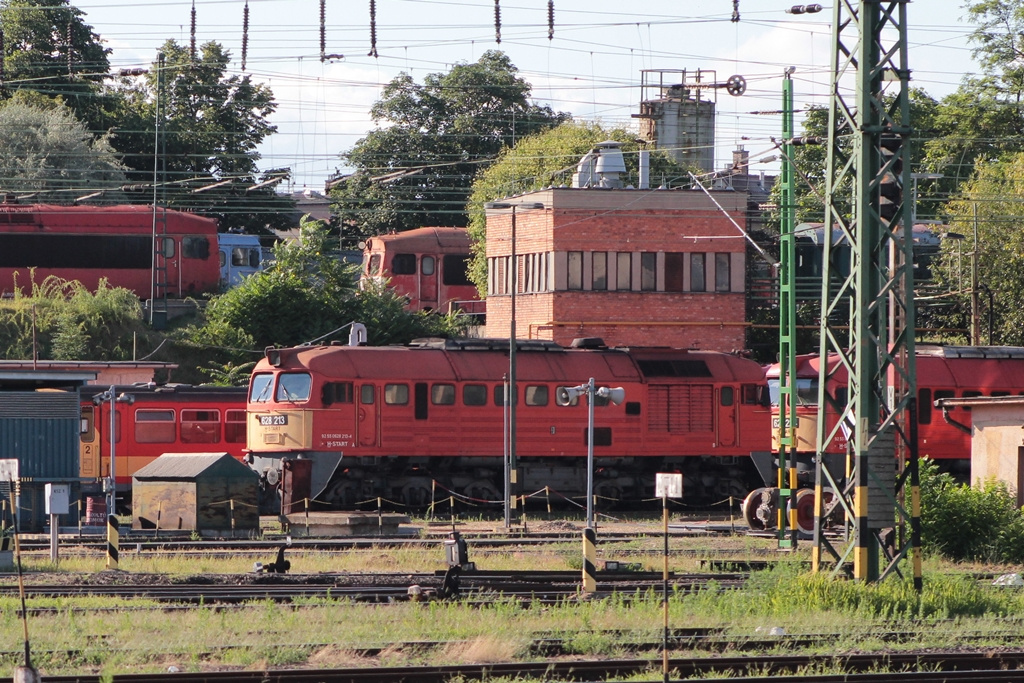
<point>195,247</point>
<point>537,395</point>
<point>403,264</point>
<point>367,395</point>
<point>474,395</point>
<point>924,406</point>
<point>294,387</point>
<point>754,395</point>
<point>260,388</point>
<point>499,395</point>
<point>442,394</point>
<point>154,426</point>
<point>396,394</point>
<point>726,397</point>
<point>337,392</point>
<point>87,427</point>
<point>200,426</point>
<point>427,265</point>
<point>374,267</point>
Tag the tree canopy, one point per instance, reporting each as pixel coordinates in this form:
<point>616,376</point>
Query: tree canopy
<point>417,168</point>
<point>45,151</point>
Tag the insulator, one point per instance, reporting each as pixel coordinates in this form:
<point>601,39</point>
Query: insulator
<point>551,19</point>
<point>192,44</point>
<point>373,29</point>
<point>70,48</point>
<point>735,11</point>
<point>245,33</point>
<point>497,21</point>
<point>323,29</point>
<point>2,54</point>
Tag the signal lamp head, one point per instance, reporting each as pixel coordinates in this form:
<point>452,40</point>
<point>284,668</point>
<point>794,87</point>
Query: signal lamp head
<point>273,356</point>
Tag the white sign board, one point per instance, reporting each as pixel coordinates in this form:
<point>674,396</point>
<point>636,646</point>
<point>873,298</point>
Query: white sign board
<point>8,469</point>
<point>668,485</point>
<point>58,499</point>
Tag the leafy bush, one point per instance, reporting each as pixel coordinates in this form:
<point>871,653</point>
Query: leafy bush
<point>965,523</point>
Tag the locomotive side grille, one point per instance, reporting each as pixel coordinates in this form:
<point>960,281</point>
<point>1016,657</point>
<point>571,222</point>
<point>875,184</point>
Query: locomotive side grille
<point>677,409</point>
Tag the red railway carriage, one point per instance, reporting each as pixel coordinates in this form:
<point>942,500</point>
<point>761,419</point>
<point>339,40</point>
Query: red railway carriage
<point>157,419</point>
<point>88,243</point>
<point>389,421</point>
<point>426,265</point>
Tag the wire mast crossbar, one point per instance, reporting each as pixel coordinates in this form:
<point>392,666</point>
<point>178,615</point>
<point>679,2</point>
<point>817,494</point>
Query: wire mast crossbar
<point>867,321</point>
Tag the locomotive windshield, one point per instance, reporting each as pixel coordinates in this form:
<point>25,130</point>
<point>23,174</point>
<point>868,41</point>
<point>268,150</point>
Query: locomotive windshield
<point>806,391</point>
<point>293,387</point>
<point>259,389</point>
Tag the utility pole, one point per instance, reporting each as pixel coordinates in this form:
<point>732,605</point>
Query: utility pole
<point>867,324</point>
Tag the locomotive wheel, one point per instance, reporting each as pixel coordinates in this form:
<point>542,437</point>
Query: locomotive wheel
<point>805,509</point>
<point>482,490</point>
<point>760,508</point>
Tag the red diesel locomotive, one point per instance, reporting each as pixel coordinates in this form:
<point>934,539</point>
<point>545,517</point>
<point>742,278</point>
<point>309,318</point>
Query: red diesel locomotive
<point>156,419</point>
<point>89,243</point>
<point>390,421</point>
<point>942,372</point>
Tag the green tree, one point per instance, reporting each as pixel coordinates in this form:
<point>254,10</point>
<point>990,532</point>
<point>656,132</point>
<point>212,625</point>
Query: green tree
<point>46,150</point>
<point>550,158</point>
<point>212,125</point>
<point>417,168</point>
<point>307,295</point>
<point>48,48</point>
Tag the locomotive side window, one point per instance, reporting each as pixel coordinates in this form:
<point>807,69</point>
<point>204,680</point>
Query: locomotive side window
<point>200,426</point>
<point>970,394</point>
<point>537,395</point>
<point>474,395</point>
<point>234,426</point>
<point>337,392</point>
<point>396,394</point>
<point>294,386</point>
<point>427,265</point>
<point>924,406</point>
<point>366,395</point>
<point>403,264</point>
<point>455,269</point>
<point>726,397</point>
<point>260,388</point>
<point>154,426</point>
<point>499,395</point>
<point>195,247</point>
<point>442,394</point>
<point>754,395</point>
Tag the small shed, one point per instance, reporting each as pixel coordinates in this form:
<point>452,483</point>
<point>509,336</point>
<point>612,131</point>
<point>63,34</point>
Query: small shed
<point>196,492</point>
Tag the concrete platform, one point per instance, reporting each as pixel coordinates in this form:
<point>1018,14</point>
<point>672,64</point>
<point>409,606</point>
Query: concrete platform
<point>333,524</point>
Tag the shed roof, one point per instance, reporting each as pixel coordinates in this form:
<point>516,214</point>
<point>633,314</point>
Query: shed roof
<point>183,465</point>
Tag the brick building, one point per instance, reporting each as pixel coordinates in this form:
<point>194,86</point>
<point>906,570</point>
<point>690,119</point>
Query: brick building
<point>633,267</point>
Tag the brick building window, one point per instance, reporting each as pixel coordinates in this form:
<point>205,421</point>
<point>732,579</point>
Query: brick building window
<point>600,279</point>
<point>623,271</point>
<point>697,272</point>
<point>648,271</point>
<point>723,280</point>
<point>575,270</point>
<point>674,271</point>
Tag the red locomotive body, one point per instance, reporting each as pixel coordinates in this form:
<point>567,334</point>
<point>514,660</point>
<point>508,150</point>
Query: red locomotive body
<point>942,372</point>
<point>427,265</point>
<point>390,421</point>
<point>156,419</point>
<point>88,243</point>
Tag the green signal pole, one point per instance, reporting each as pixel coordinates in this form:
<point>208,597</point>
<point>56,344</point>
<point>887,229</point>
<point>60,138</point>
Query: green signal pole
<point>787,533</point>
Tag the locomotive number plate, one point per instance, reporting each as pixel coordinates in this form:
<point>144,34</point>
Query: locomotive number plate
<point>273,420</point>
<point>790,422</point>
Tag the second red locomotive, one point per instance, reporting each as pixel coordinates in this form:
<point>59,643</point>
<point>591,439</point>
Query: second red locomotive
<point>391,421</point>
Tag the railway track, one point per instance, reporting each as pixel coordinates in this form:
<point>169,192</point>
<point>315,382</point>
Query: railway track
<point>916,667</point>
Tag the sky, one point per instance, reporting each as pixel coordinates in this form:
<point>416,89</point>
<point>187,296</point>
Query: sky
<point>590,68</point>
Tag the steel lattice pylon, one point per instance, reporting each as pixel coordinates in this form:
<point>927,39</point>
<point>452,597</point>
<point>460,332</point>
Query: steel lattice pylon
<point>867,317</point>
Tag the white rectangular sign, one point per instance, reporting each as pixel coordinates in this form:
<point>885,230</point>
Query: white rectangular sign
<point>8,469</point>
<point>668,485</point>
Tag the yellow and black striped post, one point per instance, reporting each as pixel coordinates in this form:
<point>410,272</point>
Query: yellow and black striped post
<point>589,560</point>
<point>113,538</point>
